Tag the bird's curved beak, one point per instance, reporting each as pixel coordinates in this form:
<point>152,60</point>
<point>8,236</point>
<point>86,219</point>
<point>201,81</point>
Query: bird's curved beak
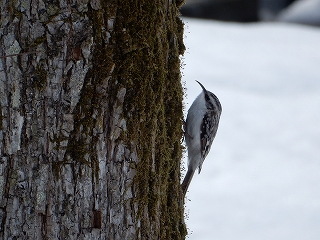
<point>205,90</point>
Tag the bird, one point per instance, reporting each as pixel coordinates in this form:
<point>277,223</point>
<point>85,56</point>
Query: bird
<point>200,129</point>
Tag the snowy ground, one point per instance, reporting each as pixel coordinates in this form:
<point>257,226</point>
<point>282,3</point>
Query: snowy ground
<point>261,180</point>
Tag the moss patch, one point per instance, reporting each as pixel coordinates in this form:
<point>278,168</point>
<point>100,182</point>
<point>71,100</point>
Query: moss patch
<point>140,54</point>
<point>149,41</point>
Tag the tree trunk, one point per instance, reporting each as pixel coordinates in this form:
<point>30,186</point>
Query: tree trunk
<point>90,120</point>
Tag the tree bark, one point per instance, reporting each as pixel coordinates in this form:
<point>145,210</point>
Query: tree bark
<point>90,120</point>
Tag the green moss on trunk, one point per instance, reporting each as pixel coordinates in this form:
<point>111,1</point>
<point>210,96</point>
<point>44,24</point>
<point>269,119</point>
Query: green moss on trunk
<point>142,56</point>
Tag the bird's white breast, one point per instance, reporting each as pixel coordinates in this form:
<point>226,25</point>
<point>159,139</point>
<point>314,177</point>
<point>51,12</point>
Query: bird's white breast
<point>193,128</point>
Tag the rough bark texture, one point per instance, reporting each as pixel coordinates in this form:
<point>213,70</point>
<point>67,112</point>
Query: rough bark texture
<point>90,120</point>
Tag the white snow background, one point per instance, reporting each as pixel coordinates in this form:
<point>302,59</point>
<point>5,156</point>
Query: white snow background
<point>261,179</point>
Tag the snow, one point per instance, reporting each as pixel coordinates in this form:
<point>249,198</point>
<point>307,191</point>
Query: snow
<point>261,180</point>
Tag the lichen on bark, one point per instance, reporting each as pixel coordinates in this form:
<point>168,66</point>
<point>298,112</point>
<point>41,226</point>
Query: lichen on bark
<point>91,112</point>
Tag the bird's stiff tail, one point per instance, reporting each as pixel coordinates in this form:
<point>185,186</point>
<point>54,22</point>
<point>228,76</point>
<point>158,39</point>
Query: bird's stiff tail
<point>186,181</point>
